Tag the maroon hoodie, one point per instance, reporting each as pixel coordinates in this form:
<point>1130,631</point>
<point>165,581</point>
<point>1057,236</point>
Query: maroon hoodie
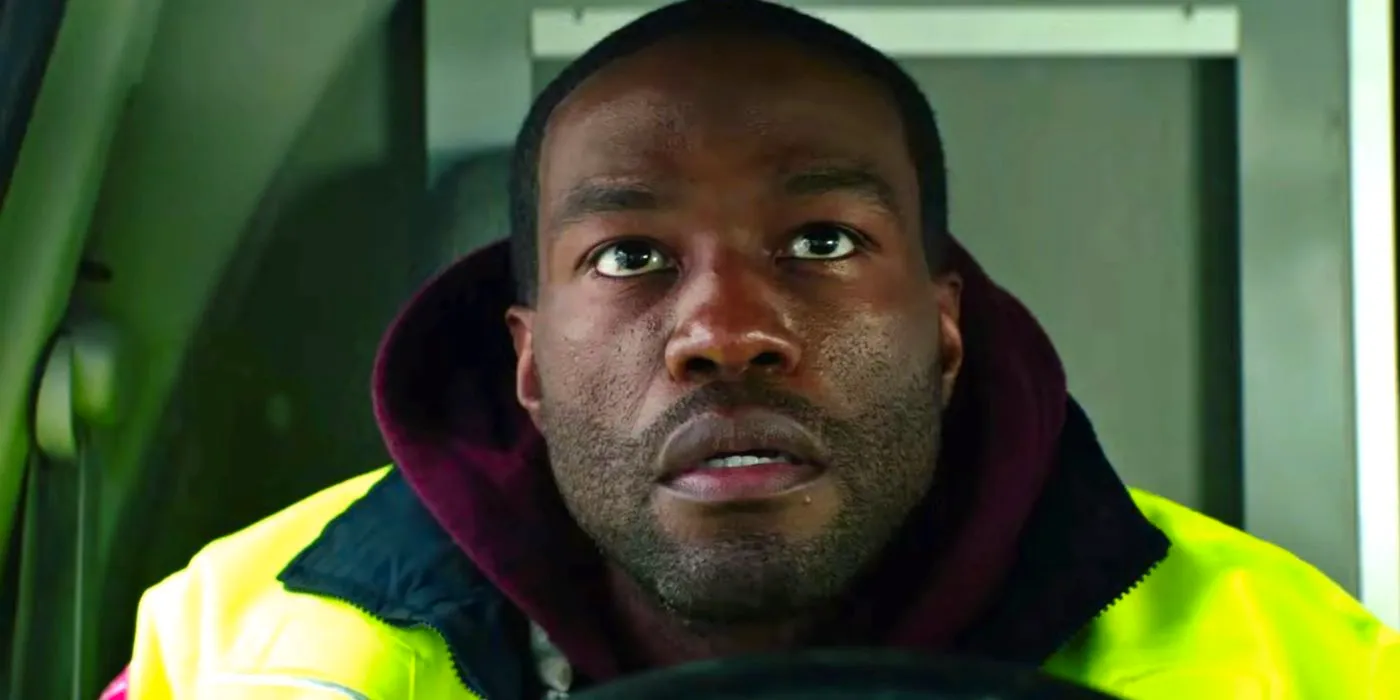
<point>444,397</point>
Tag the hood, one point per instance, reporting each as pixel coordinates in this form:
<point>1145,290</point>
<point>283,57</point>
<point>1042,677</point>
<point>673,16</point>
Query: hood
<point>444,397</point>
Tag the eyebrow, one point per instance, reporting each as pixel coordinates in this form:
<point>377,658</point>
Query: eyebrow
<point>849,179</point>
<point>591,198</point>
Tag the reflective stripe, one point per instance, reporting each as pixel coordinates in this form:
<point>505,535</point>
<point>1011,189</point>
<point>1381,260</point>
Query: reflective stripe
<point>288,682</point>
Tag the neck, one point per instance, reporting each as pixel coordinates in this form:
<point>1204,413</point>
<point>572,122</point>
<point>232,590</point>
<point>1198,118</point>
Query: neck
<point>655,638</point>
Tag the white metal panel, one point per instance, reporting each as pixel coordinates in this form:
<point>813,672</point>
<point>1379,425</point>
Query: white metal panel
<point>926,32</point>
<point>1373,306</point>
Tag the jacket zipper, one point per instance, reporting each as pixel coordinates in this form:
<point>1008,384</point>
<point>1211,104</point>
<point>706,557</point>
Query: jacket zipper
<point>451,652</point>
<point>1126,591</point>
<point>1103,610</point>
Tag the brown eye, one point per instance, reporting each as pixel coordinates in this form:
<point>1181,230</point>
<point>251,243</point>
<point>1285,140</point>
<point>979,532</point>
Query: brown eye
<point>630,258</point>
<point>823,242</point>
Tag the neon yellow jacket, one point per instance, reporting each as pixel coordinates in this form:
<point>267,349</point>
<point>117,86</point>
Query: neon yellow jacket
<point>1224,616</point>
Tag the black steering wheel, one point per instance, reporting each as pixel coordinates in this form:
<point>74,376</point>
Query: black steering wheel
<point>843,675</point>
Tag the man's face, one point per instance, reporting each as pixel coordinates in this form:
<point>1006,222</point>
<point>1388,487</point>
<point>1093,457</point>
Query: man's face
<point>738,354</point>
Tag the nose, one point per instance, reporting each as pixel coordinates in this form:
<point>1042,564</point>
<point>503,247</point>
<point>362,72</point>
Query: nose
<point>730,324</point>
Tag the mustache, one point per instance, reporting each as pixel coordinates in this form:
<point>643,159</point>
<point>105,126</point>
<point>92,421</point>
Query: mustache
<point>731,396</point>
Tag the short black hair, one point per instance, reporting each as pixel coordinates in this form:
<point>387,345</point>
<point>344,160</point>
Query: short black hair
<point>747,17</point>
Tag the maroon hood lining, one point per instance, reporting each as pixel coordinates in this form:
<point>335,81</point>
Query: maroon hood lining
<point>444,397</point>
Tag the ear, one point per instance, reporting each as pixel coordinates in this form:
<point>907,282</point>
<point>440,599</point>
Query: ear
<point>521,321</point>
<point>948,293</point>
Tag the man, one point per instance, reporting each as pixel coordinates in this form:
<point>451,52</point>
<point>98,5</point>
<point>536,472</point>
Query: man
<point>733,388</point>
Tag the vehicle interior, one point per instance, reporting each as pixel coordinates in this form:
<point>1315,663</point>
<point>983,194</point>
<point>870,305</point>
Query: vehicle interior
<point>213,208</point>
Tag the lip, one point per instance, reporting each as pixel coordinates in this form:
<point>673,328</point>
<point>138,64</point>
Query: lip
<point>709,434</point>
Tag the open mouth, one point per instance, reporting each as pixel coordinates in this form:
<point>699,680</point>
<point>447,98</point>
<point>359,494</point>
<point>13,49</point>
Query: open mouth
<point>748,455</point>
<point>748,476</point>
<point>751,458</point>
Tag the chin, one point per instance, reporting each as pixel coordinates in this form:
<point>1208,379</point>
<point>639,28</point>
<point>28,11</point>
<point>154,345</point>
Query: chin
<point>740,581</point>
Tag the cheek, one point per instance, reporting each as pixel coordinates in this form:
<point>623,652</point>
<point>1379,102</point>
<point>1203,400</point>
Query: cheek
<point>593,362</point>
<point>869,357</point>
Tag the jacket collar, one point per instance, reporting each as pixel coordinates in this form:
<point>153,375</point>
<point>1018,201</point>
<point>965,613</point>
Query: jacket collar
<point>1085,546</point>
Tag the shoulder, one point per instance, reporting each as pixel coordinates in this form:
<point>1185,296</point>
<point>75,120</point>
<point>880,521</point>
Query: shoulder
<point>1230,610</point>
<point>239,565</point>
<point>201,617</point>
<point>1217,546</point>
<point>1214,561</point>
<point>273,541</point>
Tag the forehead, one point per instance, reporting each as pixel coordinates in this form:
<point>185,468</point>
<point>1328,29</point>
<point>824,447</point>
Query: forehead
<point>721,105</point>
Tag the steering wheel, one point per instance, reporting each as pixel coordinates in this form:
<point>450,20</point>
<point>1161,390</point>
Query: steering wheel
<point>843,675</point>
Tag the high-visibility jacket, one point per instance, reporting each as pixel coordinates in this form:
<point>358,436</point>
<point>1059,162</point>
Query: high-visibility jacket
<point>1223,616</point>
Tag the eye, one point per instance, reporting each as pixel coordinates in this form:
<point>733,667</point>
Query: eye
<point>628,259</point>
<point>823,241</point>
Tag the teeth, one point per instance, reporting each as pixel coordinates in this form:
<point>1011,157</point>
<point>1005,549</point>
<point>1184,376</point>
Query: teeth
<point>745,460</point>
